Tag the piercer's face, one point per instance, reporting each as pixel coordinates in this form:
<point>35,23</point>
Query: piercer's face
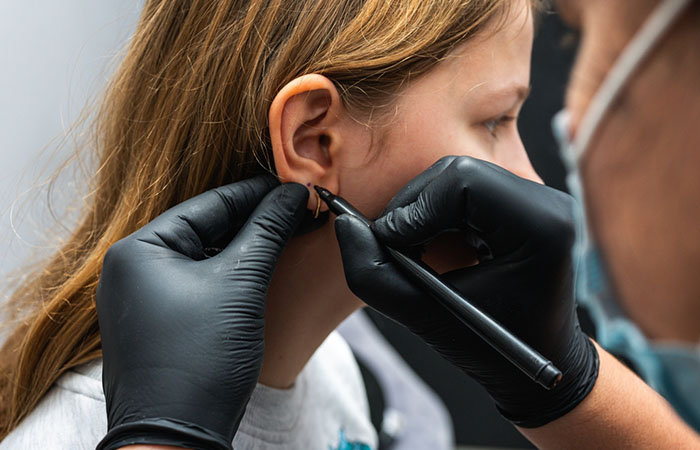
<point>467,105</point>
<point>638,173</point>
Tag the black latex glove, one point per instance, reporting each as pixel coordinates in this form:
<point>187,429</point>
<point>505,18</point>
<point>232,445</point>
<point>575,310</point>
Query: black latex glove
<point>523,233</point>
<point>182,333</point>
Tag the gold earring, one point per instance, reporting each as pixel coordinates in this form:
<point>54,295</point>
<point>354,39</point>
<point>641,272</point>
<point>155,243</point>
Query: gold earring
<point>318,206</point>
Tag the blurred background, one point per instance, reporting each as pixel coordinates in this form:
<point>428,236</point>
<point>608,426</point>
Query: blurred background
<point>56,56</point>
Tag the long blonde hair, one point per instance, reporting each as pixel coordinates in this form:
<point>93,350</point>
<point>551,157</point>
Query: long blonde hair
<point>187,111</point>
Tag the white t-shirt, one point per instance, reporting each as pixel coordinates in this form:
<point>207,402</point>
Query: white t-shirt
<point>326,409</point>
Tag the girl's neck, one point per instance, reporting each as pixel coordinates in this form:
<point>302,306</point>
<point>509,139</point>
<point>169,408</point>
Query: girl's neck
<point>308,298</point>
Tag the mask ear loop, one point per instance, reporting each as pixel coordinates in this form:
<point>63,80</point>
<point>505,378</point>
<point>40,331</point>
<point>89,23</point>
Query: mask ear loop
<point>634,53</point>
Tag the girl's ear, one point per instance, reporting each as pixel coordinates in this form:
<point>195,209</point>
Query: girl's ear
<point>305,134</point>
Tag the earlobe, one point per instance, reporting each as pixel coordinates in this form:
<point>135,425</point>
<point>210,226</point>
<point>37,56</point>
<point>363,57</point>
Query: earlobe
<point>305,133</point>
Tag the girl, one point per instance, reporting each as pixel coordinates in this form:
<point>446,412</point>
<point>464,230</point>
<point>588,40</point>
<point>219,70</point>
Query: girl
<point>357,96</point>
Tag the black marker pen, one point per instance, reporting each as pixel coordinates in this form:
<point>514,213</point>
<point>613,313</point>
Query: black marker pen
<point>524,357</point>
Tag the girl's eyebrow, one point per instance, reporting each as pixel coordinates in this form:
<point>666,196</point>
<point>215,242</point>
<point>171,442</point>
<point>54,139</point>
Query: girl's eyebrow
<point>519,91</point>
<point>515,92</point>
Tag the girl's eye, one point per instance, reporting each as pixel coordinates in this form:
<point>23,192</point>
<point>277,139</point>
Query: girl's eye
<point>494,124</point>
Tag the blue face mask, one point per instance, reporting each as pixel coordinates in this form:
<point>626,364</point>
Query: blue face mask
<point>672,370</point>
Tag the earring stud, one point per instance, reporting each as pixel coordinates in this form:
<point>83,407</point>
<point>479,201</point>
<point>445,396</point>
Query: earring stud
<point>318,206</point>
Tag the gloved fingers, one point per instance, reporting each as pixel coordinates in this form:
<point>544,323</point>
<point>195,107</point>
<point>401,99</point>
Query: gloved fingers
<point>413,188</point>
<point>469,195</point>
<point>210,219</point>
<point>374,277</point>
<point>439,207</point>
<point>260,241</point>
<point>477,284</point>
<point>472,280</point>
<point>369,270</point>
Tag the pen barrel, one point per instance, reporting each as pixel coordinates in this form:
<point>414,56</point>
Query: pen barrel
<point>524,357</point>
<point>520,354</point>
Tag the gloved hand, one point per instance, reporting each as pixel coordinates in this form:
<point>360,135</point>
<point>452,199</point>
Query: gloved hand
<point>182,332</point>
<point>523,233</point>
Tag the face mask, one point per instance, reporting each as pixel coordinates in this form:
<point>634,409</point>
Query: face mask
<point>672,370</point>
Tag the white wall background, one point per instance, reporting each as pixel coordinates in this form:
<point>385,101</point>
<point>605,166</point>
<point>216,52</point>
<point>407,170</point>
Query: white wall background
<point>54,55</point>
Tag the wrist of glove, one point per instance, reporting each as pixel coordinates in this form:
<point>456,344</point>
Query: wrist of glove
<point>523,233</point>
<point>165,431</point>
<point>183,331</point>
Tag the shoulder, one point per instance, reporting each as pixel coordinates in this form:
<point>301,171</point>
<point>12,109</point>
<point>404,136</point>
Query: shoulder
<point>335,374</point>
<point>326,408</point>
<point>70,416</point>
<point>338,395</point>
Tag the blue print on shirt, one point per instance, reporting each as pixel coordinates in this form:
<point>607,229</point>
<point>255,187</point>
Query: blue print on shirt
<point>346,445</point>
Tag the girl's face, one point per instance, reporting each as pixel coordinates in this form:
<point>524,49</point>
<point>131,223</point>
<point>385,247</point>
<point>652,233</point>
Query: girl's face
<point>467,105</point>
